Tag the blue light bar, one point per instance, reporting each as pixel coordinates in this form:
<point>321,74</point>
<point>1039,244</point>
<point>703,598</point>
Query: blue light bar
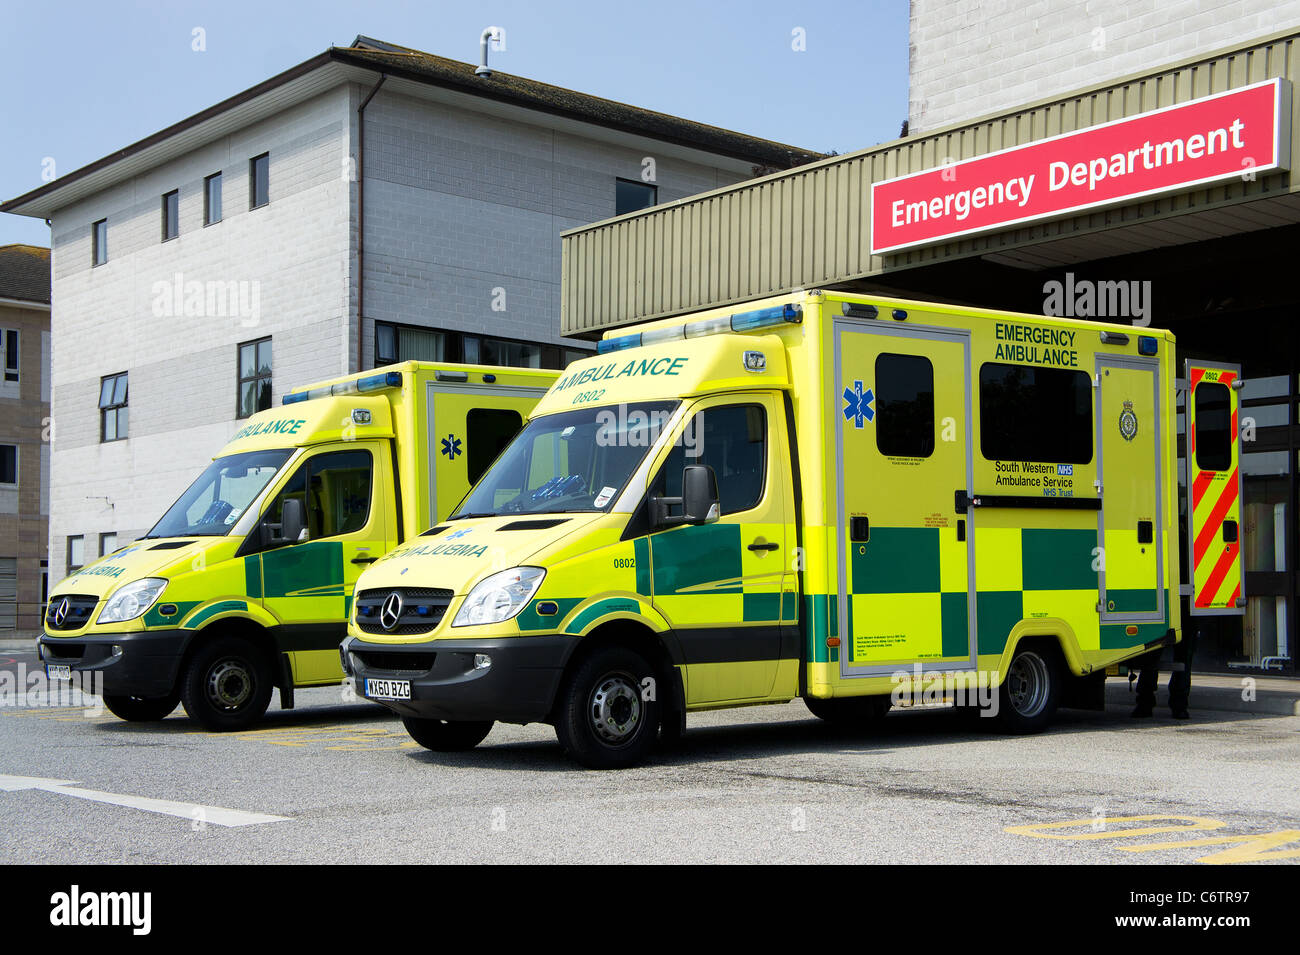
<point>1146,345</point>
<point>739,322</point>
<point>385,379</point>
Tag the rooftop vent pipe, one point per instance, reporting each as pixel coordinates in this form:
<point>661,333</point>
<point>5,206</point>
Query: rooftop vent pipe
<point>491,33</point>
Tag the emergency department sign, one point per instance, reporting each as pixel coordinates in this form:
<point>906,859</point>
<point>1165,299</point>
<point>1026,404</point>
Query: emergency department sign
<point>1238,133</point>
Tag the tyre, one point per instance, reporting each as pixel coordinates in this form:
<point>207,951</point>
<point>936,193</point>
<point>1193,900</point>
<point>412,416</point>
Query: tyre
<point>227,684</point>
<point>850,712</point>
<point>603,719</point>
<point>1030,690</point>
<point>138,709</point>
<point>443,736</point>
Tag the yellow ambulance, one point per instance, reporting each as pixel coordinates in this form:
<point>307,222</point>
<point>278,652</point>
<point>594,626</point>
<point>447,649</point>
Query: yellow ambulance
<point>832,496</point>
<point>245,583</point>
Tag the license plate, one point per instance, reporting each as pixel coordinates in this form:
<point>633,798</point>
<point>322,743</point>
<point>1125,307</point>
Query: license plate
<point>58,672</point>
<point>388,689</point>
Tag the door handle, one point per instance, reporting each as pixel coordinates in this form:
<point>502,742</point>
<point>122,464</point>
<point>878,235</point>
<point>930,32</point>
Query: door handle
<point>364,560</point>
<point>756,546</point>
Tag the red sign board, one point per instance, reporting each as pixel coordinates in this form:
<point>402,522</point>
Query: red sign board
<point>1240,133</point>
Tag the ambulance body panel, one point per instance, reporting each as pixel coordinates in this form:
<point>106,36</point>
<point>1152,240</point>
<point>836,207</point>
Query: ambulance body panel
<point>371,460</point>
<point>905,492</point>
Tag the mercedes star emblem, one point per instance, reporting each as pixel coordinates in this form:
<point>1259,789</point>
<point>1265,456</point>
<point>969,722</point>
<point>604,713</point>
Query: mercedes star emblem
<point>391,612</point>
<point>60,612</point>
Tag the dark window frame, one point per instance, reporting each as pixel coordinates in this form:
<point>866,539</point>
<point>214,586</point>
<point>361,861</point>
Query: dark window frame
<point>73,568</point>
<point>658,485</point>
<point>98,245</point>
<point>241,380</point>
<point>252,181</point>
<point>168,221</point>
<point>1214,438</point>
<point>208,181</point>
<point>651,187</point>
<point>12,367</point>
<point>552,354</point>
<point>104,534</point>
<point>115,408</point>
<point>1083,389</point>
<point>475,464</point>
<point>274,507</point>
<point>17,464</point>
<point>884,405</point>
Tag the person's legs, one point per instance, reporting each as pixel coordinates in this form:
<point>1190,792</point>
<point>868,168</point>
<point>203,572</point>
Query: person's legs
<point>1180,680</point>
<point>1148,667</point>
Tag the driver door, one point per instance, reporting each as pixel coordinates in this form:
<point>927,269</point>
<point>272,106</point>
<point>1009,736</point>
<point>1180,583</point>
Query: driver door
<point>728,588</point>
<point>307,585</point>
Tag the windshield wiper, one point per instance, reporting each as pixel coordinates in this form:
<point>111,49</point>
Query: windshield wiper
<point>463,517</point>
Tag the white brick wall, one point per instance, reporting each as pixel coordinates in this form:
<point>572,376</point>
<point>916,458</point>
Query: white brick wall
<point>457,203</point>
<point>291,257</point>
<point>970,58</point>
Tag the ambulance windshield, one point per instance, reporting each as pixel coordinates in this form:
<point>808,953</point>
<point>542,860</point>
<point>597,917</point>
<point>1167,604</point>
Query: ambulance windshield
<point>569,461</point>
<point>213,504</point>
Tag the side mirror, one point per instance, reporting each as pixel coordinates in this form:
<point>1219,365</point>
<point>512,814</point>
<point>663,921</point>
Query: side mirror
<point>700,494</point>
<point>293,521</point>
<point>699,500</point>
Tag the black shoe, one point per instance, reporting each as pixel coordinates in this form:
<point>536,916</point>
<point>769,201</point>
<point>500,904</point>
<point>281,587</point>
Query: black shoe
<point>1142,711</point>
<point>1181,714</point>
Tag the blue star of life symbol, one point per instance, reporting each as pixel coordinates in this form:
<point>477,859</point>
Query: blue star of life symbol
<point>460,533</point>
<point>451,446</point>
<point>857,404</point>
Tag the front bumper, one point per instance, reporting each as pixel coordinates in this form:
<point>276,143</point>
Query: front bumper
<point>146,665</point>
<point>519,686</point>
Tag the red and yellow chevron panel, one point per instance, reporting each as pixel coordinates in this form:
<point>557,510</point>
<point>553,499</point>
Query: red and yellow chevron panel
<point>1214,482</point>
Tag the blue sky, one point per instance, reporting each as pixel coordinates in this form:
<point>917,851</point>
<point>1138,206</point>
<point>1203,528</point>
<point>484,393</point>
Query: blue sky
<point>84,79</point>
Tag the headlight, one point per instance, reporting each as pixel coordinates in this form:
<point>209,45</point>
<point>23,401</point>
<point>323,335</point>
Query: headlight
<point>499,597</point>
<point>132,600</point>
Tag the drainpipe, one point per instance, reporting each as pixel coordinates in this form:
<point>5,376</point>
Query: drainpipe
<point>361,219</point>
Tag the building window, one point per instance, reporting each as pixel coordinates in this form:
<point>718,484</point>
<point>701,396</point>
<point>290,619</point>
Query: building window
<point>254,377</point>
<point>8,593</point>
<point>171,215</point>
<point>631,196</point>
<point>212,199</point>
<point>9,348</point>
<point>480,350</point>
<point>259,180</point>
<point>107,543</point>
<point>8,464</point>
<point>1035,414</point>
<point>904,406</point>
<point>99,242</point>
<point>76,553</point>
<point>112,407</point>
<point>394,343</point>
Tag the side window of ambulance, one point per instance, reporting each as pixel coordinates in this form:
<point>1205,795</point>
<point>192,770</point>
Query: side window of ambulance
<point>904,406</point>
<point>731,439</point>
<point>487,432</point>
<point>1213,427</point>
<point>335,490</point>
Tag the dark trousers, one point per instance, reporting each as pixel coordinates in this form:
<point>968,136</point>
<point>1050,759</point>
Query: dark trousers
<point>1180,677</point>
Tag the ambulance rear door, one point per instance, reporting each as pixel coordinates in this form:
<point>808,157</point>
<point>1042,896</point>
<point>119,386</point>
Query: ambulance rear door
<point>1211,405</point>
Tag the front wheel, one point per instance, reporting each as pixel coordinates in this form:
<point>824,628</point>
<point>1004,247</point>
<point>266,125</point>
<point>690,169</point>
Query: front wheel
<point>443,736</point>
<point>1029,692</point>
<point>227,684</point>
<point>604,719</point>
<point>139,709</point>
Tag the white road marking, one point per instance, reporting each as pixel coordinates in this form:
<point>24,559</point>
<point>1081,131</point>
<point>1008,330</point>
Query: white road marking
<point>216,815</point>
